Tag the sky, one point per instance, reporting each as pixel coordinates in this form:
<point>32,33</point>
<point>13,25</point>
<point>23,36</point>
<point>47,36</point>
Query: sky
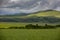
<point>27,6</point>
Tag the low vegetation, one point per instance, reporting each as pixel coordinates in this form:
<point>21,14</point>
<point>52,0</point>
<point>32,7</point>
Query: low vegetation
<point>11,30</point>
<point>48,19</point>
<point>31,26</point>
<point>30,34</point>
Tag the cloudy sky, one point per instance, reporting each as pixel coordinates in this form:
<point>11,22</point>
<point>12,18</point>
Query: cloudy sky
<point>28,6</point>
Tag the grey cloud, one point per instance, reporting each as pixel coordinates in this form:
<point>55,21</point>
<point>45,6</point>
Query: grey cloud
<point>29,5</point>
<point>21,4</point>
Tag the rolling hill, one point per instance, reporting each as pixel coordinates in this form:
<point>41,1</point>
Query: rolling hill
<point>36,14</point>
<point>48,16</point>
<point>45,13</point>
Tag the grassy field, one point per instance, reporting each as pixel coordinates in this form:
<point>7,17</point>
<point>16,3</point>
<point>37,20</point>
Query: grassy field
<point>30,34</point>
<point>18,24</point>
<point>15,24</point>
<point>11,24</point>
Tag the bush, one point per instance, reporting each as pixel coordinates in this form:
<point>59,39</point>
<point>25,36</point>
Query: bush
<point>16,27</point>
<point>2,28</point>
<point>57,25</point>
<point>30,26</point>
<point>13,27</point>
<point>21,28</point>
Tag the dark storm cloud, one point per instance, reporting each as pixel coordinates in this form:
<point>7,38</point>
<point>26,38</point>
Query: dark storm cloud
<point>21,4</point>
<point>28,5</point>
<point>1,2</point>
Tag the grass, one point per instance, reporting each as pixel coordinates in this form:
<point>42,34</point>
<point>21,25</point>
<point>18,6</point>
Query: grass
<point>11,24</point>
<point>18,24</point>
<point>37,14</point>
<point>47,13</point>
<point>30,34</point>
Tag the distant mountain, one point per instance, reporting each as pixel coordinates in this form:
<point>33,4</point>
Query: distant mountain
<point>47,19</point>
<point>37,14</point>
<point>2,12</point>
<point>45,13</point>
<point>48,16</point>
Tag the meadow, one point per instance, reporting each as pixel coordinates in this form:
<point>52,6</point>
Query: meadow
<point>27,34</point>
<point>30,34</point>
<point>18,24</point>
<point>11,24</point>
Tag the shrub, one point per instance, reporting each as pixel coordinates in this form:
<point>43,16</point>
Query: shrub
<point>21,27</point>
<point>13,27</point>
<point>30,26</point>
<point>2,28</point>
<point>49,26</point>
<point>57,25</point>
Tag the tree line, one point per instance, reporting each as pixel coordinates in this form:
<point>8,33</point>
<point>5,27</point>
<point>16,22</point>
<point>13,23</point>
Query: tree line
<point>31,26</point>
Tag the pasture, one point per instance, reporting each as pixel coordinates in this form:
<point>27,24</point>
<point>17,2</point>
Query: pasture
<point>30,34</point>
<point>11,24</point>
<point>18,24</point>
<point>27,34</point>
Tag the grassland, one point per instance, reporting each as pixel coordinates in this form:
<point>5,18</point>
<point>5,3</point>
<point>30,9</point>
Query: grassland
<point>30,34</point>
<point>18,24</point>
<point>37,14</point>
<point>46,13</point>
<point>11,24</point>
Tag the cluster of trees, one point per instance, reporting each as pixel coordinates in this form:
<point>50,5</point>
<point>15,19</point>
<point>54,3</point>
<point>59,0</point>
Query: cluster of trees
<point>48,19</point>
<point>31,26</point>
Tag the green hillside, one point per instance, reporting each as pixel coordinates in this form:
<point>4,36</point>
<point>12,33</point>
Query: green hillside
<point>48,16</point>
<point>45,13</point>
<point>37,14</point>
